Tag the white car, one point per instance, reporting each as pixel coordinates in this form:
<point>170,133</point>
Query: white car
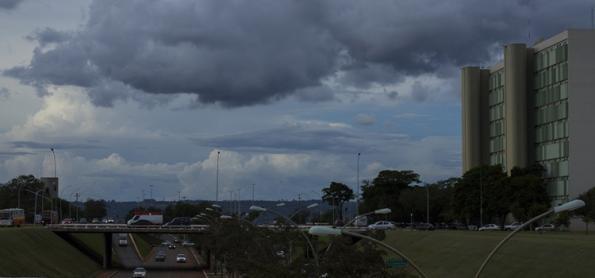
<point>545,228</point>
<point>489,227</point>
<point>181,258</point>
<point>512,226</point>
<point>382,225</point>
<point>139,272</point>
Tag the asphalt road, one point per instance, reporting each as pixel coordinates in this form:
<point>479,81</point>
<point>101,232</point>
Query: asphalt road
<point>126,254</point>
<point>163,274</point>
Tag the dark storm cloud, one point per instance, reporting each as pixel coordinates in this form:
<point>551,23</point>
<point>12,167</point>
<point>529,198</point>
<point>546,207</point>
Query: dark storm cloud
<point>9,4</point>
<point>47,146</point>
<point>238,53</point>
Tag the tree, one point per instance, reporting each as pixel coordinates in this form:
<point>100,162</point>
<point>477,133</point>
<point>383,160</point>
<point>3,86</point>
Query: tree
<point>27,184</point>
<point>336,194</point>
<point>484,182</point>
<point>95,209</point>
<point>528,192</point>
<point>184,209</point>
<point>385,189</point>
<point>588,211</point>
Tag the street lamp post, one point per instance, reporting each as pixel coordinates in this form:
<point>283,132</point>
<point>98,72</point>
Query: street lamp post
<point>314,252</point>
<point>569,206</point>
<point>329,231</point>
<point>217,178</point>
<point>427,203</point>
<point>357,185</point>
<point>378,211</point>
<point>54,154</point>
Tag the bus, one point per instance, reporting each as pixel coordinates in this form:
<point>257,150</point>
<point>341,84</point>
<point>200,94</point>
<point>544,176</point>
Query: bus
<point>12,217</point>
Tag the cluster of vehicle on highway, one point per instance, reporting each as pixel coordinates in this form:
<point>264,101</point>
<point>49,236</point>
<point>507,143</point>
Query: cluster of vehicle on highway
<point>390,225</point>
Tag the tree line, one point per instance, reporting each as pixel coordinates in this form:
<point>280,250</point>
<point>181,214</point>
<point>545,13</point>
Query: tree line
<point>483,193</point>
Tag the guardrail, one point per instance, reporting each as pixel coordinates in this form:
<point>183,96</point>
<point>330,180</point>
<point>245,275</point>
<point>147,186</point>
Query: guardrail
<point>158,228</point>
<point>125,228</point>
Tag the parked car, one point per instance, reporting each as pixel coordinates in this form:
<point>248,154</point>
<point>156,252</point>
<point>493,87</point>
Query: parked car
<point>424,226</point>
<point>545,228</point>
<point>160,257</point>
<point>187,243</point>
<point>512,226</point>
<point>457,226</point>
<point>442,226</point>
<point>139,272</point>
<point>181,258</point>
<point>83,221</point>
<point>489,227</point>
<point>95,221</point>
<point>472,227</point>
<point>382,225</point>
<point>67,221</point>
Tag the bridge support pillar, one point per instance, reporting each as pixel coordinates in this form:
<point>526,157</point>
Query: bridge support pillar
<point>107,250</point>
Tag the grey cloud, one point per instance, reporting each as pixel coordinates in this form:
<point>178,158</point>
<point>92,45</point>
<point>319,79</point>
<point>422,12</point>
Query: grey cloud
<point>419,92</point>
<point>237,53</point>
<point>4,93</point>
<point>9,4</point>
<point>47,146</point>
<point>303,138</point>
<point>365,119</point>
<point>14,153</point>
<point>49,35</point>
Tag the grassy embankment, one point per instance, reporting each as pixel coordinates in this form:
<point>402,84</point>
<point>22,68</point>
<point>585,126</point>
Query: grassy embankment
<point>528,254</point>
<point>29,251</point>
<point>144,243</point>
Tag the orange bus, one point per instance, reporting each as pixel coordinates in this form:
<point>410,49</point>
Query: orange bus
<point>12,217</point>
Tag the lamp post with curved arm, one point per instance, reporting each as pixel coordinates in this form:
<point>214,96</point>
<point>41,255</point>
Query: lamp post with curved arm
<point>330,231</point>
<point>569,206</point>
<point>302,209</point>
<point>314,253</point>
<point>378,211</point>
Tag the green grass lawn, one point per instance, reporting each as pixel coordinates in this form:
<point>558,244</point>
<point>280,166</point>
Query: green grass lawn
<point>528,254</point>
<point>28,251</point>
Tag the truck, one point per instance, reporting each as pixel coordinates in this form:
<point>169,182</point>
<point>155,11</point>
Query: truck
<point>146,218</point>
<point>123,240</point>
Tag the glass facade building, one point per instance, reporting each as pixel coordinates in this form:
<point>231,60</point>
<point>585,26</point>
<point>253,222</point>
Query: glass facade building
<point>537,106</point>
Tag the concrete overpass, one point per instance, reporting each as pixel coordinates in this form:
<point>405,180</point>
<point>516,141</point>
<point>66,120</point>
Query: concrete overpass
<point>64,231</point>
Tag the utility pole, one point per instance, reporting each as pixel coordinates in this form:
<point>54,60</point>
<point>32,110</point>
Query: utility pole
<point>151,191</point>
<point>427,203</point>
<point>252,194</point>
<point>217,180</point>
<point>179,196</point>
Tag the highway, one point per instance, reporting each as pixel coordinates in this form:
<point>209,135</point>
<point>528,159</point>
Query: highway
<point>162,274</point>
<point>126,254</point>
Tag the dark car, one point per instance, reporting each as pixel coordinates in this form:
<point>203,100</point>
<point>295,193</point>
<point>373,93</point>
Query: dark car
<point>424,226</point>
<point>179,221</point>
<point>171,246</point>
<point>160,257</point>
<point>457,226</point>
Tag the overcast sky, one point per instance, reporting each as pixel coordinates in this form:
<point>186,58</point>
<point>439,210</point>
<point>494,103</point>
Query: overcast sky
<point>143,92</point>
